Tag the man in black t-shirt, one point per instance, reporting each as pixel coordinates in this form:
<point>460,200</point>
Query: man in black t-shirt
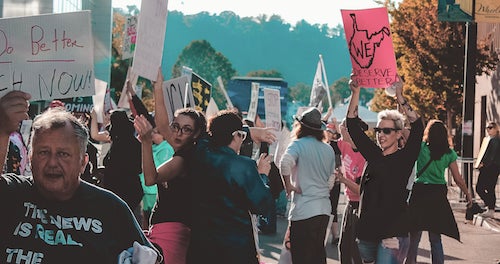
<point>54,217</point>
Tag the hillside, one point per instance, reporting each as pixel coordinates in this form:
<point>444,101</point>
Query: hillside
<point>263,43</point>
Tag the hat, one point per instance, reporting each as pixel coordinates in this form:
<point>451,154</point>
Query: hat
<point>311,118</point>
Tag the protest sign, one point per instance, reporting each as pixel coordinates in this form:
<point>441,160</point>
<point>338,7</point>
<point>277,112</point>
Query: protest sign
<point>48,56</point>
<point>272,108</point>
<point>254,100</point>
<point>201,90</point>
<point>129,38</point>
<point>370,46</point>
<point>150,38</point>
<point>174,93</point>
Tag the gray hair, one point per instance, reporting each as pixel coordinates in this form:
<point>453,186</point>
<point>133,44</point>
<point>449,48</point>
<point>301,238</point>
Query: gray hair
<point>54,118</point>
<point>393,115</point>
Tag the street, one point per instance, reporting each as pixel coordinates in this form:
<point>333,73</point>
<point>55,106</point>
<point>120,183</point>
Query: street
<point>480,240</point>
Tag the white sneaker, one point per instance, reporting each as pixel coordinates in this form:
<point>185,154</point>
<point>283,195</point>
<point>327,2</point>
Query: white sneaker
<point>488,214</point>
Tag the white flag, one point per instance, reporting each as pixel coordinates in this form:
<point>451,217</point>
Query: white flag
<point>318,90</point>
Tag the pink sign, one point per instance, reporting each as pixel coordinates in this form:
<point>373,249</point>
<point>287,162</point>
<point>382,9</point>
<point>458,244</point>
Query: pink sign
<point>369,42</point>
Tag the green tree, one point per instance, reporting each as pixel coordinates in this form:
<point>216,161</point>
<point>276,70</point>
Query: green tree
<point>430,57</point>
<point>200,56</point>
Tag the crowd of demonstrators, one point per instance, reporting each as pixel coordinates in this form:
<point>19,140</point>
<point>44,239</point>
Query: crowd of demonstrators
<point>227,189</point>
<point>429,206</point>
<point>353,164</point>
<point>383,225</point>
<point>306,167</point>
<point>489,169</point>
<point>47,209</point>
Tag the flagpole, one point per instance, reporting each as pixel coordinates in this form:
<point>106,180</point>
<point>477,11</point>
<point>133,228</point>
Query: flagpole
<point>326,81</point>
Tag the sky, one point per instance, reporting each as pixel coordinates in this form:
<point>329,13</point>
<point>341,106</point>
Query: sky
<point>291,11</point>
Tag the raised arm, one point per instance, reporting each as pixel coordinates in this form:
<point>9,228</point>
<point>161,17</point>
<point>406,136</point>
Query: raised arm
<point>161,114</point>
<point>352,109</point>
<point>403,103</point>
<point>14,108</point>
<point>170,169</point>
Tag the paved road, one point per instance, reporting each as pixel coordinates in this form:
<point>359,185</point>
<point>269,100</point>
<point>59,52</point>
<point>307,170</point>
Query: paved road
<point>480,241</point>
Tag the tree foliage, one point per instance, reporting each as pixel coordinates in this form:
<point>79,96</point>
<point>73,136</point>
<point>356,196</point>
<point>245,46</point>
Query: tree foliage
<point>430,57</point>
<point>208,63</point>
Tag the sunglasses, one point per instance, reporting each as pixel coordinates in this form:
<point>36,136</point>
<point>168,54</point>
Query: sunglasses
<point>489,127</point>
<point>185,130</point>
<point>240,133</point>
<point>386,130</point>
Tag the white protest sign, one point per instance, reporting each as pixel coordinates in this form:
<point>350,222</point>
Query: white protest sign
<point>272,108</point>
<point>150,38</point>
<point>254,100</point>
<point>174,94</point>
<point>48,56</point>
<point>123,101</point>
<point>129,38</point>
<point>98,99</point>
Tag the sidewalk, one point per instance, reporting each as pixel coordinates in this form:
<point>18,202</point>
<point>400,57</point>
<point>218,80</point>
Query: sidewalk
<point>480,239</point>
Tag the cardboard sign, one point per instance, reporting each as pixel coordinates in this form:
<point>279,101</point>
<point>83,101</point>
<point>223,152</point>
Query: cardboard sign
<point>370,46</point>
<point>48,56</point>
<point>129,38</point>
<point>150,38</point>
<point>272,108</point>
<point>174,93</point>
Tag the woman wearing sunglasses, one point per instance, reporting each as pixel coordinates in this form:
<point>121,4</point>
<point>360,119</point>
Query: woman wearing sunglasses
<point>383,225</point>
<point>489,169</point>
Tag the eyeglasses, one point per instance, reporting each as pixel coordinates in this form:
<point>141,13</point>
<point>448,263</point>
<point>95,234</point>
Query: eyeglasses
<point>240,133</point>
<point>489,127</point>
<point>386,130</point>
<point>185,130</point>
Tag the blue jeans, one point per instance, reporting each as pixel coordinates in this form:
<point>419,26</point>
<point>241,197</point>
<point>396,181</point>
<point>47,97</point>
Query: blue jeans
<point>437,252</point>
<point>387,251</point>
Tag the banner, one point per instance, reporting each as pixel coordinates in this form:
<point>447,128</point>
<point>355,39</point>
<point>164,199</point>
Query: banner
<point>370,46</point>
<point>129,38</point>
<point>48,56</point>
<point>150,37</point>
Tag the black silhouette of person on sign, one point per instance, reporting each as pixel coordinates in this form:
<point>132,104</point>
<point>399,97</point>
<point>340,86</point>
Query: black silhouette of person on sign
<point>363,46</point>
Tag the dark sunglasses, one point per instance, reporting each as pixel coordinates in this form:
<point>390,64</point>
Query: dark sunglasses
<point>386,130</point>
<point>489,127</point>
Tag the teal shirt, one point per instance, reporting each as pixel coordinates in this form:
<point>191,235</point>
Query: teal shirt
<point>434,174</point>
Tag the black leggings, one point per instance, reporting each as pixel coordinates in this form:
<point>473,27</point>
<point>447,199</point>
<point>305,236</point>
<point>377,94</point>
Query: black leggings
<point>486,183</point>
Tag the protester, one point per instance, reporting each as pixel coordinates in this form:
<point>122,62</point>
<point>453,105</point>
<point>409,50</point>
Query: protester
<point>122,164</point>
<point>489,169</point>
<point>383,226</point>
<point>54,217</point>
<point>429,206</point>
<point>305,167</point>
<point>227,188</point>
<point>350,174</point>
<point>331,137</point>
<point>170,222</point>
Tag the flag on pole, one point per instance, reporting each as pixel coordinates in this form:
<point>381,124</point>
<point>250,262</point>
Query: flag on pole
<point>318,90</point>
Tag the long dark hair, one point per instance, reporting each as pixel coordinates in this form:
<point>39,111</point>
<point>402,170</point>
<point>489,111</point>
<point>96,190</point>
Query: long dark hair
<point>436,137</point>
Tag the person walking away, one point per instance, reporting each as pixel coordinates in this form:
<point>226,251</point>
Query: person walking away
<point>429,207</point>
<point>306,167</point>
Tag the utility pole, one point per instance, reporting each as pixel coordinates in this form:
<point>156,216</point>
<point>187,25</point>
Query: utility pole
<point>468,104</point>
